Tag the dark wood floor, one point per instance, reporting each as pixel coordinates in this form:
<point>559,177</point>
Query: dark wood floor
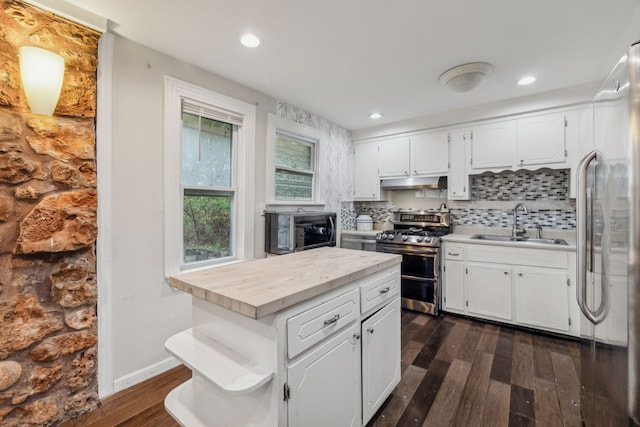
<point>460,372</point>
<point>456,372</point>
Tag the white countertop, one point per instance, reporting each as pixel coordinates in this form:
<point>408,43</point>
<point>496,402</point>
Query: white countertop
<point>463,234</point>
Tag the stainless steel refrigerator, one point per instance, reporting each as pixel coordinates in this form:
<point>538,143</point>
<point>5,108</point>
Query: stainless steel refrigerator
<point>608,252</point>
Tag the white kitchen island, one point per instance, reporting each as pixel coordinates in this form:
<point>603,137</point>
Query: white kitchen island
<point>305,339</point>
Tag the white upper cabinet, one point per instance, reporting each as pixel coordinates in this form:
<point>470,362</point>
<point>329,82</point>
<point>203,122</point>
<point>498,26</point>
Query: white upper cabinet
<point>393,155</point>
<point>366,183</point>
<point>429,154</point>
<point>424,154</point>
<point>492,145</point>
<point>535,141</point>
<point>458,176</point>
<point>541,140</point>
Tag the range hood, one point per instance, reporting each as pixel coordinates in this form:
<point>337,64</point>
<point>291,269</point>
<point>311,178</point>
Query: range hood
<point>414,183</point>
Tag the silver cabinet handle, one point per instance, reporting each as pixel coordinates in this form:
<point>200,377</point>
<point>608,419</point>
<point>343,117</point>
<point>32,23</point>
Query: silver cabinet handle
<point>334,319</point>
<point>453,253</point>
<point>370,330</point>
<point>583,204</point>
<point>520,274</point>
<point>356,335</point>
<point>385,290</point>
<point>506,272</point>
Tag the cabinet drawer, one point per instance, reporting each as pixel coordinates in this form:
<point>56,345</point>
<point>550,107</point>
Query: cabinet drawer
<point>379,289</point>
<point>320,321</point>
<point>454,252</point>
<point>518,256</point>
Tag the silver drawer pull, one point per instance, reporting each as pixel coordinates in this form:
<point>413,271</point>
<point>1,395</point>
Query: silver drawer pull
<point>370,330</point>
<point>385,290</point>
<point>453,253</point>
<point>334,319</point>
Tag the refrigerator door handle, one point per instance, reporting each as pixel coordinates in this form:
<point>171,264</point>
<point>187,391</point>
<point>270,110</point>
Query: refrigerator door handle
<point>633,360</point>
<point>582,206</point>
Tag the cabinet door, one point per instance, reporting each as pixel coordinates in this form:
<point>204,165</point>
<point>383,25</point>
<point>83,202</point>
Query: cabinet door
<point>542,298</point>
<point>541,140</point>
<point>380,357</point>
<point>454,286</point>
<point>429,154</point>
<point>366,182</point>
<point>325,383</point>
<point>458,178</point>
<point>493,145</point>
<point>488,290</point>
<point>393,157</point>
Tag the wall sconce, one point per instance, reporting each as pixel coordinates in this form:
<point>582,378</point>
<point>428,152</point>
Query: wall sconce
<point>42,72</point>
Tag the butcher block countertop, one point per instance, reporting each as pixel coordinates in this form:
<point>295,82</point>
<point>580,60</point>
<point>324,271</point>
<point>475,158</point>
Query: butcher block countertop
<point>265,286</point>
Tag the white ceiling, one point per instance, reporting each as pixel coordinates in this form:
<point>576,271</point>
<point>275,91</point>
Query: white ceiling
<point>342,59</point>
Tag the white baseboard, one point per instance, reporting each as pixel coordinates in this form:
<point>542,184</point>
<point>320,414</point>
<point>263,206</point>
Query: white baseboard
<point>144,374</point>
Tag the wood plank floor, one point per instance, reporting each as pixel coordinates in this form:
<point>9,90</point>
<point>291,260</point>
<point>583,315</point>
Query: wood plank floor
<point>461,372</point>
<point>455,372</point>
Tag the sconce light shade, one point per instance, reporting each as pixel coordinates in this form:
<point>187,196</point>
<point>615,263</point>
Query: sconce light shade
<point>42,72</point>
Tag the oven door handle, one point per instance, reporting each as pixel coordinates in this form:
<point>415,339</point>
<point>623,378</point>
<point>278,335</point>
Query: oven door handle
<point>432,252</point>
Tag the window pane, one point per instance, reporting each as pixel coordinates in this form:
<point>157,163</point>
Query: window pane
<point>207,227</point>
<point>293,185</point>
<point>206,151</point>
<point>294,154</point>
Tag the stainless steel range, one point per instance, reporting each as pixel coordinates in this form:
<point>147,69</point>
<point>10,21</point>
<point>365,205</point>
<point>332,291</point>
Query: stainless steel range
<point>416,236</point>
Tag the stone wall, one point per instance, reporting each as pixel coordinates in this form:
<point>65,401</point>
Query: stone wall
<point>48,227</point>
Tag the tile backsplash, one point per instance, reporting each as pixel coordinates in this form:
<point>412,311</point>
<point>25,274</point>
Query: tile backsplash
<point>493,197</point>
<point>521,185</point>
<point>379,212</point>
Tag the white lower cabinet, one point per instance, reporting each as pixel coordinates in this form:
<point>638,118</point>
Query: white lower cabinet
<point>453,299</point>
<point>522,286</point>
<point>542,298</point>
<point>488,290</point>
<point>325,384</point>
<point>380,358</point>
<point>329,361</point>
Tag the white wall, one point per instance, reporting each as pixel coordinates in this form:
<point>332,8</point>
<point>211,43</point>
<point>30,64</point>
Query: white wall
<point>145,311</point>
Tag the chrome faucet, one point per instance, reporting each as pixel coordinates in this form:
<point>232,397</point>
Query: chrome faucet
<point>518,231</point>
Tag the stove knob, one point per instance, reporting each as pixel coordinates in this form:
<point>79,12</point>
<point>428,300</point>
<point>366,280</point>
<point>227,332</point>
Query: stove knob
<point>420,238</point>
<point>391,236</point>
<point>405,238</point>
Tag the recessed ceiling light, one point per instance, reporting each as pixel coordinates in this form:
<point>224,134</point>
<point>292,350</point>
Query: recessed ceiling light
<point>527,80</point>
<point>375,116</point>
<point>250,40</point>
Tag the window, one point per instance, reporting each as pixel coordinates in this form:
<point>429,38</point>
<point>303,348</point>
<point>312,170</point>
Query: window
<point>208,149</point>
<point>294,152</point>
<point>207,182</point>
<point>295,167</point>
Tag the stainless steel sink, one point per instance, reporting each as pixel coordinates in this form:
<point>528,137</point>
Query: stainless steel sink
<point>519,239</point>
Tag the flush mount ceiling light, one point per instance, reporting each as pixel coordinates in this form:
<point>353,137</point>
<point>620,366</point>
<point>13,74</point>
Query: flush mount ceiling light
<point>250,40</point>
<point>526,80</point>
<point>465,77</point>
<point>375,116</point>
<point>42,72</point>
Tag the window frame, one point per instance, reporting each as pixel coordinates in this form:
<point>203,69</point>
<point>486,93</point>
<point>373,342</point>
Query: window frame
<point>304,133</point>
<point>175,91</point>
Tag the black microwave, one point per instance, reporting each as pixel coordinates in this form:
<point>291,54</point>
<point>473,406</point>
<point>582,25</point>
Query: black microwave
<point>287,232</point>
